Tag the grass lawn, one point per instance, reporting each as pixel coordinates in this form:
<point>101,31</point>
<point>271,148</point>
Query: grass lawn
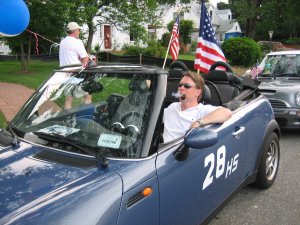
<point>38,72</point>
<point>2,121</point>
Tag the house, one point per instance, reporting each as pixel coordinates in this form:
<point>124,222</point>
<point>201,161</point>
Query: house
<point>109,37</point>
<point>225,27</point>
<point>4,49</point>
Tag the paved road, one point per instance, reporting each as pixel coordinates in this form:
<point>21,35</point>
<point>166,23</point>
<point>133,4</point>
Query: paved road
<point>278,205</point>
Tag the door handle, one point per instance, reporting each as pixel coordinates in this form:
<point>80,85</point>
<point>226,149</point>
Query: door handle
<point>237,133</point>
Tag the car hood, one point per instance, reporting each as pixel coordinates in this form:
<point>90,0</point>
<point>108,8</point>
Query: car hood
<point>35,190</point>
<point>279,83</point>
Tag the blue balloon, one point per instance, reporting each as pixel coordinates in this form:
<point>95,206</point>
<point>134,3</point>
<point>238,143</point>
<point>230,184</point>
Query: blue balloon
<point>14,17</point>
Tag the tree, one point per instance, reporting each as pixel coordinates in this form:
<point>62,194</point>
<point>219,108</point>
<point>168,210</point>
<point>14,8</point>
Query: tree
<point>129,16</point>
<point>46,18</point>
<point>248,12</point>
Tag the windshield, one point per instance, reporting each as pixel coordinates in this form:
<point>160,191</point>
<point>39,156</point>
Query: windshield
<point>281,65</point>
<point>104,111</point>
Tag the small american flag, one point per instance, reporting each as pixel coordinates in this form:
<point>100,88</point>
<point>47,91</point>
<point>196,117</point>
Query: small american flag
<point>255,71</point>
<point>174,48</point>
<point>208,51</point>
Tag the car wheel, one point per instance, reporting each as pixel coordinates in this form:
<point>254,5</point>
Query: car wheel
<point>268,167</point>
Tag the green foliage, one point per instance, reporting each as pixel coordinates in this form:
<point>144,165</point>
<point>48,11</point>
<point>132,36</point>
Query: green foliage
<point>3,122</point>
<point>185,30</point>
<point>132,49</point>
<point>193,47</point>
<point>165,38</point>
<point>293,41</point>
<point>155,49</point>
<point>241,51</point>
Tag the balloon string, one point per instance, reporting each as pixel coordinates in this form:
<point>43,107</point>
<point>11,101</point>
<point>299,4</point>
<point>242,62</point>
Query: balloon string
<point>36,44</point>
<point>36,34</point>
<point>42,36</point>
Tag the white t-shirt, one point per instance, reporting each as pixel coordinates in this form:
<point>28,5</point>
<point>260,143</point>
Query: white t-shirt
<point>71,51</point>
<point>177,122</point>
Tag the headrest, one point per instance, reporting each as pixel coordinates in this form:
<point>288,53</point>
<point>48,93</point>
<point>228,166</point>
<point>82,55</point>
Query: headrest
<point>177,69</point>
<point>138,85</point>
<point>206,95</point>
<point>223,76</point>
<point>216,75</point>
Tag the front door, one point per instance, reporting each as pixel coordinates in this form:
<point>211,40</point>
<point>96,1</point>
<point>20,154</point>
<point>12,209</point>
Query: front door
<point>107,37</point>
<point>192,189</point>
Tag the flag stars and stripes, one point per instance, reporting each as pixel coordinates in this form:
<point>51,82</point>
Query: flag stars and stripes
<point>208,51</point>
<point>174,48</point>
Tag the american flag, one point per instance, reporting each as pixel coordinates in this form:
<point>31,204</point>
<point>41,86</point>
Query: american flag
<point>208,51</point>
<point>174,48</point>
<point>255,71</point>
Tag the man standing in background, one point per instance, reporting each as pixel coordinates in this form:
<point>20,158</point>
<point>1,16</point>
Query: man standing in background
<point>72,51</point>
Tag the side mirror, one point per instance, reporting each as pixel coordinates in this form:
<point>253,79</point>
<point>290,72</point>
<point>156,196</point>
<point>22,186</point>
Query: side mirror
<point>200,138</point>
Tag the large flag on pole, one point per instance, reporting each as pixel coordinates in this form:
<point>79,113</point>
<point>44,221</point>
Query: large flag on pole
<point>208,51</point>
<point>174,48</point>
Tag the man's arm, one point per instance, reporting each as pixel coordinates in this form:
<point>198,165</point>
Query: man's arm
<point>220,115</point>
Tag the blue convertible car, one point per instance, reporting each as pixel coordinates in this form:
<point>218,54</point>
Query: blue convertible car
<point>106,163</point>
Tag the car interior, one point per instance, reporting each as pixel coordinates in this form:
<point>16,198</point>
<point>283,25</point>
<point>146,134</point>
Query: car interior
<point>222,88</point>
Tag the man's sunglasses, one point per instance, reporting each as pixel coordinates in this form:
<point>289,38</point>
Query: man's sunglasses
<point>185,85</point>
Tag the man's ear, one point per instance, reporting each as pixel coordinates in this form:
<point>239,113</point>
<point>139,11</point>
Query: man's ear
<point>199,92</point>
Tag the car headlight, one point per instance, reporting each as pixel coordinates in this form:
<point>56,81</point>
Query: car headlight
<point>297,98</point>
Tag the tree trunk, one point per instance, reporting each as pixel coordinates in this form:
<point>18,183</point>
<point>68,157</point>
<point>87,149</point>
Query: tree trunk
<point>90,37</point>
<point>29,50</point>
<point>23,61</point>
<point>250,25</point>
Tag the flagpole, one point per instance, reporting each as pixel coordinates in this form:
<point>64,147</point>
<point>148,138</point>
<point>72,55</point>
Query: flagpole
<point>178,12</point>
<point>167,51</point>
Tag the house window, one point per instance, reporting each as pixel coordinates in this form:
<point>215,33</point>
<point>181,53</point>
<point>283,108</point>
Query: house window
<point>229,17</point>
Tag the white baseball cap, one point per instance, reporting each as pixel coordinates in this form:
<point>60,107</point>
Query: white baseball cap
<point>73,26</point>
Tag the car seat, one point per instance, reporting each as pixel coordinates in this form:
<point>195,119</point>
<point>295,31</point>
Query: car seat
<point>131,110</point>
<point>224,86</point>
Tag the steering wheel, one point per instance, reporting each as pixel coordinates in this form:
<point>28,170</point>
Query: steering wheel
<point>223,64</point>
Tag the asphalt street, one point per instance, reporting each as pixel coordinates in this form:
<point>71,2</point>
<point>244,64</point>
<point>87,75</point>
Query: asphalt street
<point>280,204</point>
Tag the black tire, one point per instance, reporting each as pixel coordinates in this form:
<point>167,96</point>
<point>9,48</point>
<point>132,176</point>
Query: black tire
<point>269,164</point>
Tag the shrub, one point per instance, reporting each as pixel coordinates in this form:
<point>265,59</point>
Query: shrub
<point>164,41</point>
<point>293,41</point>
<point>155,49</point>
<point>242,51</point>
<point>132,49</point>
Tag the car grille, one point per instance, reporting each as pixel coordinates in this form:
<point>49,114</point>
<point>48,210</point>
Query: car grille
<point>277,104</point>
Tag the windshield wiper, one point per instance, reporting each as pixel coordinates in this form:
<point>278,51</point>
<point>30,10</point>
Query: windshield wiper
<point>75,143</point>
<point>14,136</point>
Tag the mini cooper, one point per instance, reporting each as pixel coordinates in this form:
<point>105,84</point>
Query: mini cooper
<point>280,83</point>
<point>105,162</point>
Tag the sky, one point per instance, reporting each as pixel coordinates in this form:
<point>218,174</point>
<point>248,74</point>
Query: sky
<point>214,2</point>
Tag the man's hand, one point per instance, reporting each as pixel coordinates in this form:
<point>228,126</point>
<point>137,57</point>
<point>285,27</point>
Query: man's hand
<point>197,123</point>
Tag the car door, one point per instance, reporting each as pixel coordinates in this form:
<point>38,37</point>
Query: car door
<point>191,189</point>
